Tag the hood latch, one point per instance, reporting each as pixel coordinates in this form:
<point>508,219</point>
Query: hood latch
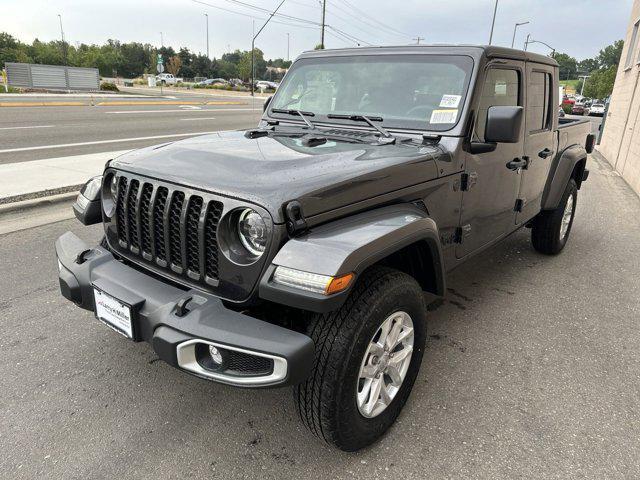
<point>296,222</point>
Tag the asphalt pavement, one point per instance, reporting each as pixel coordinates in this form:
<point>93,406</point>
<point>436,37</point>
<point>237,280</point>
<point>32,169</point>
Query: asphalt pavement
<point>113,123</point>
<point>532,370</point>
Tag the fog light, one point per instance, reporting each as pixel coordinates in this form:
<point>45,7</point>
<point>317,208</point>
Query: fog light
<point>215,354</point>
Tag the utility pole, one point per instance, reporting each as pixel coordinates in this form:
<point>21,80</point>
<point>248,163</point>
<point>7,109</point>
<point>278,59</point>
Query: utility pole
<point>324,10</point>
<point>207,15</point>
<point>64,45</point>
<point>493,22</point>
<point>513,40</point>
<point>253,42</point>
<point>161,40</point>
<point>417,39</point>
<point>287,47</point>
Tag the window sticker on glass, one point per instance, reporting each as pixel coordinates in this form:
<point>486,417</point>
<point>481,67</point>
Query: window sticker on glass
<point>500,88</point>
<point>443,116</point>
<point>450,101</point>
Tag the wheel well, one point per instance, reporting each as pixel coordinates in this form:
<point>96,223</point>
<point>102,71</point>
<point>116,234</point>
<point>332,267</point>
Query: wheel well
<point>578,171</point>
<point>418,261</point>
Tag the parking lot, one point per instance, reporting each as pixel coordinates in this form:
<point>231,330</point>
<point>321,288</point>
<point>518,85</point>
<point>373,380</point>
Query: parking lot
<point>532,367</point>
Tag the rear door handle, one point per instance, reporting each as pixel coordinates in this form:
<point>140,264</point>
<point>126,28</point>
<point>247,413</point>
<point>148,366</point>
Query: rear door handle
<point>517,163</point>
<point>545,153</point>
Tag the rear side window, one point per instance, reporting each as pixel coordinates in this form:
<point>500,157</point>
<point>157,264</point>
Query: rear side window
<point>501,88</point>
<point>538,102</point>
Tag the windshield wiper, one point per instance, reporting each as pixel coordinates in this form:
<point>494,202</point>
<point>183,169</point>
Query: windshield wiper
<point>301,113</point>
<point>362,118</point>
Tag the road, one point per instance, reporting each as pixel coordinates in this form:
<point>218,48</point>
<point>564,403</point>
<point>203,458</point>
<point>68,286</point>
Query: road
<point>114,123</point>
<point>532,371</point>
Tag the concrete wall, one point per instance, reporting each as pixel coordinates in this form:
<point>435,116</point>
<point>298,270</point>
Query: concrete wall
<point>620,143</point>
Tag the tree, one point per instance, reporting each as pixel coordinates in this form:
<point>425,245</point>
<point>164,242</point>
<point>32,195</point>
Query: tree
<point>600,84</point>
<point>173,65</point>
<point>568,65</point>
<point>609,56</point>
<point>319,46</point>
<point>587,65</point>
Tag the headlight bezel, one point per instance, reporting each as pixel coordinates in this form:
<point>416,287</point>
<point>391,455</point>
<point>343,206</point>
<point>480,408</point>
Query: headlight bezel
<point>230,239</point>
<point>108,197</point>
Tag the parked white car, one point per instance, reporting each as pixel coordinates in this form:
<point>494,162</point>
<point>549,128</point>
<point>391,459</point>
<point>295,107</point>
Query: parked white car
<point>167,79</point>
<point>597,109</point>
<point>263,85</point>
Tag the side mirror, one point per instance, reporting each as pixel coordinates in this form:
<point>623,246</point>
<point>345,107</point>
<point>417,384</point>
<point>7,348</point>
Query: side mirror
<point>504,124</point>
<point>87,205</point>
<point>266,103</point>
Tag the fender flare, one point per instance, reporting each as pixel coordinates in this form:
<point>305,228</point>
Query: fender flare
<point>352,244</point>
<point>560,173</point>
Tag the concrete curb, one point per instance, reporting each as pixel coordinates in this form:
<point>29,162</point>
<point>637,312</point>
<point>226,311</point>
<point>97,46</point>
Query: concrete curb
<point>38,199</point>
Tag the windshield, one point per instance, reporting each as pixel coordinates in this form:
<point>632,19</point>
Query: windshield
<point>421,92</point>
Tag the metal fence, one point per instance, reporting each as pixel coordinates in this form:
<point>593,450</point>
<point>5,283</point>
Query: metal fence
<point>52,77</point>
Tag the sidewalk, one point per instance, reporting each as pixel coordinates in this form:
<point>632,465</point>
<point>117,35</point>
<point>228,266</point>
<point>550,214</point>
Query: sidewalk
<point>41,178</point>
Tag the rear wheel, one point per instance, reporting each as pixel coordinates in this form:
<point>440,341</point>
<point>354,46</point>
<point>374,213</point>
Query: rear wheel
<point>368,354</point>
<point>551,228</point>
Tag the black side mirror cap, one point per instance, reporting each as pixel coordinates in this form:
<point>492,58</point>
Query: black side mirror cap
<point>266,103</point>
<point>87,206</point>
<point>504,124</point>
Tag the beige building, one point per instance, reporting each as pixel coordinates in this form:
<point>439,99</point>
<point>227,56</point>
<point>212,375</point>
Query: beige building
<point>620,143</point>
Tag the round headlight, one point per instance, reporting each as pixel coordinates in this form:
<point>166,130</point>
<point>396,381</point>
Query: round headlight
<point>252,231</point>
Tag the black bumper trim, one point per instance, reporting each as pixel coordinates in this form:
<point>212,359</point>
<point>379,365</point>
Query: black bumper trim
<point>154,306</point>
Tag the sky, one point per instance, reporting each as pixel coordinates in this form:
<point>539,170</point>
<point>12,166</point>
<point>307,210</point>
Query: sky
<point>577,27</point>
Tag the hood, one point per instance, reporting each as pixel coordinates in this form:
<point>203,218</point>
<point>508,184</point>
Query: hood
<point>272,170</point>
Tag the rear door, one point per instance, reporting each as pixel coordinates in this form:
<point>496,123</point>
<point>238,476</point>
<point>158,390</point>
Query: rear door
<point>539,142</point>
<point>489,199</point>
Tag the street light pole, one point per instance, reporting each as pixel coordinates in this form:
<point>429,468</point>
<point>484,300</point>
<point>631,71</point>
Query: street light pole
<point>161,40</point>
<point>287,47</point>
<point>513,40</point>
<point>64,46</point>
<point>584,77</point>
<point>526,42</point>
<point>493,22</point>
<point>253,42</point>
<point>207,15</point>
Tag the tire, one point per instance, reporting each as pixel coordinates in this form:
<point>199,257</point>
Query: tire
<point>547,234</point>
<point>327,401</point>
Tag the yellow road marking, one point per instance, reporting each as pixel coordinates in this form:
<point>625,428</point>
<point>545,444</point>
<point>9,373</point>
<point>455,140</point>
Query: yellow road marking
<point>118,103</point>
<point>42,104</point>
<point>226,103</point>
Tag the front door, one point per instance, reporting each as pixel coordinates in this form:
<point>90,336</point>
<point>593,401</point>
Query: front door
<point>489,200</point>
<point>539,144</point>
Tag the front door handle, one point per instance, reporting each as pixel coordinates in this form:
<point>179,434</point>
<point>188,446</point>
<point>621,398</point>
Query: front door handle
<point>545,153</point>
<point>517,163</point>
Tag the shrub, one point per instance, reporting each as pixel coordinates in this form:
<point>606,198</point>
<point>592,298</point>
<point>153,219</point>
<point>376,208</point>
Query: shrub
<point>109,87</point>
<point>567,108</point>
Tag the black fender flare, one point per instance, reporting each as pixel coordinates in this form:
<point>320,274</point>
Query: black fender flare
<point>560,173</point>
<point>351,245</point>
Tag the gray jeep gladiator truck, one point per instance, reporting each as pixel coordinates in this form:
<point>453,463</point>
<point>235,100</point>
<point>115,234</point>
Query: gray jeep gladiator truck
<point>303,252</point>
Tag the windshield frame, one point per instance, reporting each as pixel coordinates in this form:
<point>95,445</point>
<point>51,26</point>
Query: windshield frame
<point>409,125</point>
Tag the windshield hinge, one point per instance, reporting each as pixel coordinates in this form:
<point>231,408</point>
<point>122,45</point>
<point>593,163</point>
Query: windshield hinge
<point>431,138</point>
<point>461,233</point>
<point>468,180</point>
<point>296,222</point>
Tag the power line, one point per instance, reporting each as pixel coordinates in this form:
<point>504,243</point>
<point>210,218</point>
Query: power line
<point>364,22</point>
<point>375,20</point>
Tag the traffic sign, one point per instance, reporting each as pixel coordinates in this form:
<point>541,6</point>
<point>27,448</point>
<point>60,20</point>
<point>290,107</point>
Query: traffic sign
<point>160,68</point>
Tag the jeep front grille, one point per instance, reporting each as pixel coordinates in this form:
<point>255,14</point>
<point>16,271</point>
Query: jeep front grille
<point>168,227</point>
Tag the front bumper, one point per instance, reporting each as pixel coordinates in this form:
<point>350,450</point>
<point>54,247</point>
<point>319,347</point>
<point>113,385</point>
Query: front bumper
<point>173,327</point>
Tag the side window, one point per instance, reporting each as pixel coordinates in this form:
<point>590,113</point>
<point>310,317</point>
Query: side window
<point>501,88</point>
<point>538,102</point>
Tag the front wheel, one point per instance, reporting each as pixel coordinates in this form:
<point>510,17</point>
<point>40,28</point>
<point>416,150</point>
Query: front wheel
<point>367,357</point>
<point>551,228</point>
